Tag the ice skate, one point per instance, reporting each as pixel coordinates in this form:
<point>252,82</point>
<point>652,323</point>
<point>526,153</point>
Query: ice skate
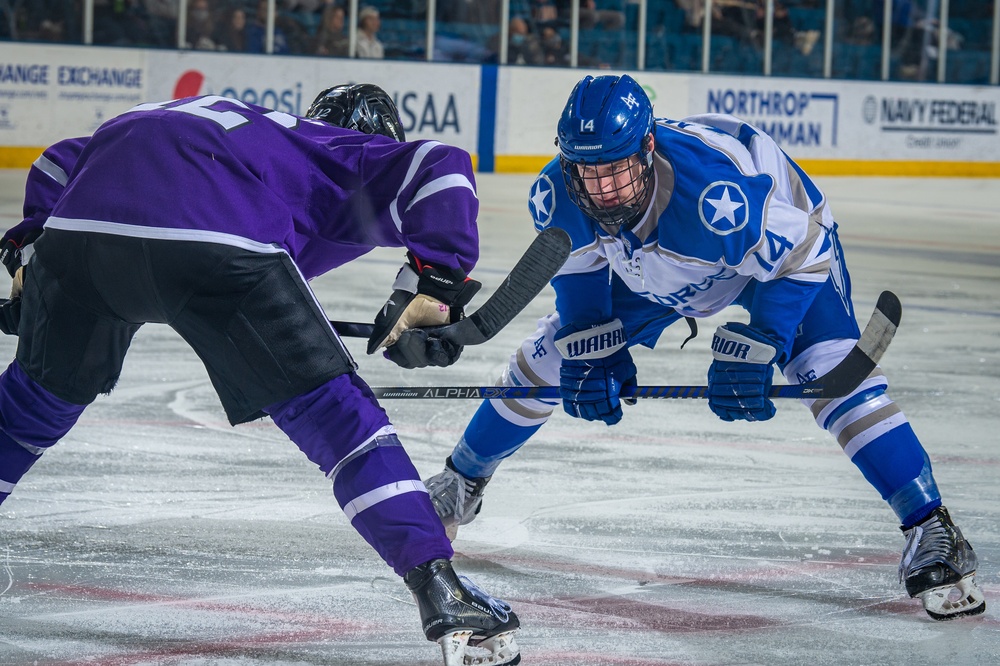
<point>939,568</point>
<point>457,498</point>
<point>472,628</point>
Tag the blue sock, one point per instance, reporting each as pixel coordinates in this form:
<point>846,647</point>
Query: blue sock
<point>488,439</point>
<point>897,466</point>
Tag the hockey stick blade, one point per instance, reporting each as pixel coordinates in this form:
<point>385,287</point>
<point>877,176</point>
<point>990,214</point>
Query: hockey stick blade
<point>860,361</point>
<point>841,380</point>
<point>539,264</point>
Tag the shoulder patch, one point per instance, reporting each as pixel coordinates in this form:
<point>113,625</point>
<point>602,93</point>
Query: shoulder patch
<point>542,201</point>
<point>723,207</point>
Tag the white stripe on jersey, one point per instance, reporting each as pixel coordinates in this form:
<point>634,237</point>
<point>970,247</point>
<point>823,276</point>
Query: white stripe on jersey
<point>160,233</point>
<point>442,183</point>
<point>51,169</point>
<point>418,157</point>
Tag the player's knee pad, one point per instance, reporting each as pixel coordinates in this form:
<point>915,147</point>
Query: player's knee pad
<point>381,494</point>
<point>856,419</point>
<point>535,363</point>
<point>375,470</point>
<point>328,422</point>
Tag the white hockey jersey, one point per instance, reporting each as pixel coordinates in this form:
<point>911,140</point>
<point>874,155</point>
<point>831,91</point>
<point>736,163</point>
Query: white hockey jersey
<point>730,207</point>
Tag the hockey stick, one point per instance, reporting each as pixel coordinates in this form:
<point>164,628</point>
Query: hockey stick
<point>841,380</point>
<point>539,263</point>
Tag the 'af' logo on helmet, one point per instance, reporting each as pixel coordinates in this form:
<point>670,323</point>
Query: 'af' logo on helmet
<point>542,201</point>
<point>630,101</point>
<point>723,207</point>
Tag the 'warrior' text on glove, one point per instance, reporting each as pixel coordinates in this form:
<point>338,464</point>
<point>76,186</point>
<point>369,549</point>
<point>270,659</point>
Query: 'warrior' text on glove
<point>596,366</point>
<point>739,379</point>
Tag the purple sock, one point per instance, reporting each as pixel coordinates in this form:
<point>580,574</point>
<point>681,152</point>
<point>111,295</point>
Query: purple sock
<point>31,420</point>
<point>341,427</point>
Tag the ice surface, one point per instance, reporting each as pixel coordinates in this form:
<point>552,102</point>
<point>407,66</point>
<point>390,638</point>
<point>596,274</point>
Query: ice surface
<point>156,534</point>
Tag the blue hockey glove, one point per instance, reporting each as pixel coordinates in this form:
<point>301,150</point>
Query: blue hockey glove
<point>739,378</point>
<point>596,367</point>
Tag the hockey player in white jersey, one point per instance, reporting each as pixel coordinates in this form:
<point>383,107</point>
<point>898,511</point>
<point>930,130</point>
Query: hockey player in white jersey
<point>673,219</point>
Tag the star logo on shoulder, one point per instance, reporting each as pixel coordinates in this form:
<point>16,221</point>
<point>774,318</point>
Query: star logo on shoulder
<point>542,201</point>
<point>723,207</point>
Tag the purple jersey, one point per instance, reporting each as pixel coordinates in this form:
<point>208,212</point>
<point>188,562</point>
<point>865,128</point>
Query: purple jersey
<point>45,183</point>
<point>215,169</point>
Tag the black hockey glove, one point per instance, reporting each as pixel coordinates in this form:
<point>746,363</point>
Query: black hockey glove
<point>418,348</point>
<point>10,315</point>
<point>14,256</point>
<point>423,296</point>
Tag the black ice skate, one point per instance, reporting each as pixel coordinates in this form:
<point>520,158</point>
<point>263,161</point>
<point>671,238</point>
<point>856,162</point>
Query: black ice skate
<point>939,568</point>
<point>458,615</point>
<point>457,499</point>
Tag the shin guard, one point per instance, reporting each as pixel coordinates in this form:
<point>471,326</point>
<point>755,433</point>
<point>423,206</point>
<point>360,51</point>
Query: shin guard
<point>342,429</point>
<point>31,420</point>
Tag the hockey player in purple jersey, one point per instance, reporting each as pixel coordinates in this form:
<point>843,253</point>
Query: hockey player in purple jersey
<point>673,219</point>
<point>211,215</point>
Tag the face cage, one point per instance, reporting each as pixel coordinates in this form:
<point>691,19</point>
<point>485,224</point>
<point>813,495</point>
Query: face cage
<point>624,216</point>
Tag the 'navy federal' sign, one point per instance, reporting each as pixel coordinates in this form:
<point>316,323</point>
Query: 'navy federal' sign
<point>939,116</point>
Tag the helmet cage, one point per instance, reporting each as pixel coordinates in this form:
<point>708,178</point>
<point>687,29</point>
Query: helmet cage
<point>632,195</point>
<point>605,128</point>
<point>362,107</point>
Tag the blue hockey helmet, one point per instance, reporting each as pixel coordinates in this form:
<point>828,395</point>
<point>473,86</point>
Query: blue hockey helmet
<point>363,107</point>
<point>605,150</point>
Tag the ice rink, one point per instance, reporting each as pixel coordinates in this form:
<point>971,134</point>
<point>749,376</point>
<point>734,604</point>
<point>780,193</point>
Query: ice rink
<point>156,534</point>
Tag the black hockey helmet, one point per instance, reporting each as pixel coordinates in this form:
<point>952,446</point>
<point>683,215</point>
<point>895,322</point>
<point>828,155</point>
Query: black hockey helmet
<point>363,107</point>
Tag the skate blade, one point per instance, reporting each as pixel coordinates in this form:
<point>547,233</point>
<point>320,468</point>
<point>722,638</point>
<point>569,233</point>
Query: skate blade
<point>949,602</point>
<point>499,650</point>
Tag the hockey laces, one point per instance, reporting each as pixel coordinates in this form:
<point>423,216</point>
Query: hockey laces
<point>920,551</point>
<point>501,609</point>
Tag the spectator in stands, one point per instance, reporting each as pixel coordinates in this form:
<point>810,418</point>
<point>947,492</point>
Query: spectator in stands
<point>256,32</point>
<point>369,23</point>
<point>553,48</point>
<point>523,46</point>
<point>862,32</point>
<point>694,13</point>
<point>592,17</point>
<point>746,20</point>
<point>200,26</point>
<point>734,18</point>
<point>52,21</point>
<point>231,34</point>
<point>467,30</point>
<point>331,39</point>
<point>545,13</point>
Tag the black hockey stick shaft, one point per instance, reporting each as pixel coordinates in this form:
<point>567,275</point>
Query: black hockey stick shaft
<point>841,380</point>
<point>539,264</point>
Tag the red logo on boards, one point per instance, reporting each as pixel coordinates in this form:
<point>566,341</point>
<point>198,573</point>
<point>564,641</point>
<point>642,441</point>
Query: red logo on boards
<point>189,84</point>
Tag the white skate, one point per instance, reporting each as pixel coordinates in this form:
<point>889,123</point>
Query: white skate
<point>457,499</point>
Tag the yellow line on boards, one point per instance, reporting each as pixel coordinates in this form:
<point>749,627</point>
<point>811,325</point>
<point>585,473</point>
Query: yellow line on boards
<point>21,157</point>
